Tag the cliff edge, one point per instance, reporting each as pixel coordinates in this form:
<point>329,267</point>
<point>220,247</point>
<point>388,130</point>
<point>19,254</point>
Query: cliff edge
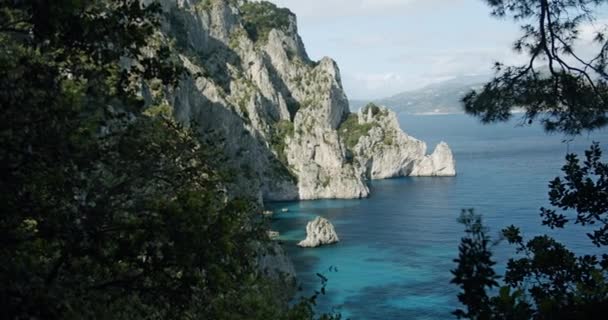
<point>282,121</point>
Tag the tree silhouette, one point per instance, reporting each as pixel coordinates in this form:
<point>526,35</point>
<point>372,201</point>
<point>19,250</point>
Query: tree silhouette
<point>568,94</point>
<point>565,91</point>
<point>109,208</point>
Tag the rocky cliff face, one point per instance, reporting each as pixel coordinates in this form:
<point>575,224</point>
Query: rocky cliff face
<point>383,150</point>
<point>281,120</point>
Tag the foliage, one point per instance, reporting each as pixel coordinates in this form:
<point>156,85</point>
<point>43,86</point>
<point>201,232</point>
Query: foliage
<point>474,272</point>
<point>111,209</point>
<point>205,5</point>
<point>280,131</point>
<point>374,108</point>
<point>376,111</point>
<point>567,92</point>
<point>259,18</point>
<point>351,130</point>
<point>389,139</point>
<point>545,280</point>
<point>235,38</point>
<point>584,190</point>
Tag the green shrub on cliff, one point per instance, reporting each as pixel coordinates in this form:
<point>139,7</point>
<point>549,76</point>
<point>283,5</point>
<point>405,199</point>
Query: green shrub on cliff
<point>112,210</point>
<point>351,130</point>
<point>375,109</point>
<point>259,18</point>
<point>280,132</point>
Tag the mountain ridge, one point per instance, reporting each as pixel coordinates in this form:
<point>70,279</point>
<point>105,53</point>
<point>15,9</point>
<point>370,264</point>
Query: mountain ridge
<point>435,99</point>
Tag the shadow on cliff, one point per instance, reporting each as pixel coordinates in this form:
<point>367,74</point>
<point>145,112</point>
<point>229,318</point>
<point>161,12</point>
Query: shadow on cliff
<point>201,48</point>
<point>292,104</point>
<point>253,165</point>
<point>249,159</point>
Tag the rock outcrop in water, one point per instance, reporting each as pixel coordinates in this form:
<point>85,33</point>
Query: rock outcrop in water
<point>319,232</point>
<point>383,150</point>
<point>281,120</point>
<point>439,164</point>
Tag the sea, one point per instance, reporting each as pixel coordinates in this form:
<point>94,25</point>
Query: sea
<point>397,247</point>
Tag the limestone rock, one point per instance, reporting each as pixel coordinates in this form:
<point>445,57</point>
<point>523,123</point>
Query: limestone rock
<point>439,164</point>
<point>277,116</point>
<point>319,232</point>
<point>385,151</point>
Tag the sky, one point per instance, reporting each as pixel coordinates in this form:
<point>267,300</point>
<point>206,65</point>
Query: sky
<point>385,47</point>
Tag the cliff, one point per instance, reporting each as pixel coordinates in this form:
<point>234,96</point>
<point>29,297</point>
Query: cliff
<point>281,120</point>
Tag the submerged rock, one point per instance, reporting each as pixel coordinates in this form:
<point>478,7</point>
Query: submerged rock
<point>319,232</point>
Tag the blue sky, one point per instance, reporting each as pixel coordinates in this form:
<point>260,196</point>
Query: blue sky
<point>384,47</point>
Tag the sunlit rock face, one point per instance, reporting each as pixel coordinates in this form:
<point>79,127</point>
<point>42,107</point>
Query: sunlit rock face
<point>280,120</point>
<point>440,163</point>
<point>319,232</point>
<point>385,151</point>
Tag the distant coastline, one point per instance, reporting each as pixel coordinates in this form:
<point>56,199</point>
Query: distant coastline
<point>446,113</point>
<point>433,113</point>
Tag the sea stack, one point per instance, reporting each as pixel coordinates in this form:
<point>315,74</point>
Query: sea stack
<point>440,163</point>
<point>319,232</point>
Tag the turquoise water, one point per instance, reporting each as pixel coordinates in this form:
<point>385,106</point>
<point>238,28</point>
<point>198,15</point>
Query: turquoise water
<point>397,247</point>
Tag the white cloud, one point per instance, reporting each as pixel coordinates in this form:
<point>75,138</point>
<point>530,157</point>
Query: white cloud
<point>377,81</point>
<point>374,4</point>
<point>382,85</point>
<point>335,8</point>
<point>365,40</point>
<point>588,31</point>
<point>388,46</point>
<point>586,47</point>
<point>419,68</point>
<point>372,85</point>
<point>455,62</point>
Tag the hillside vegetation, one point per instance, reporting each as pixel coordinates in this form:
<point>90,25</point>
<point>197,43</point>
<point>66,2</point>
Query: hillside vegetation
<point>111,209</point>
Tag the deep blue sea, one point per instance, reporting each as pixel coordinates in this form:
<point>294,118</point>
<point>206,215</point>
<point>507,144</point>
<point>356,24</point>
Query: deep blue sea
<point>397,247</point>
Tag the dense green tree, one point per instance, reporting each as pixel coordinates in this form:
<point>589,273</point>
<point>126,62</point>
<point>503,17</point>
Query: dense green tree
<point>545,280</point>
<point>259,18</point>
<point>474,272</point>
<point>111,209</point>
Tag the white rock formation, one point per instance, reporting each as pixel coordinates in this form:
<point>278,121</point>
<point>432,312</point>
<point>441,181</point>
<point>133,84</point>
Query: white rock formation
<point>319,232</point>
<point>439,163</point>
<point>277,116</point>
<point>385,151</point>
